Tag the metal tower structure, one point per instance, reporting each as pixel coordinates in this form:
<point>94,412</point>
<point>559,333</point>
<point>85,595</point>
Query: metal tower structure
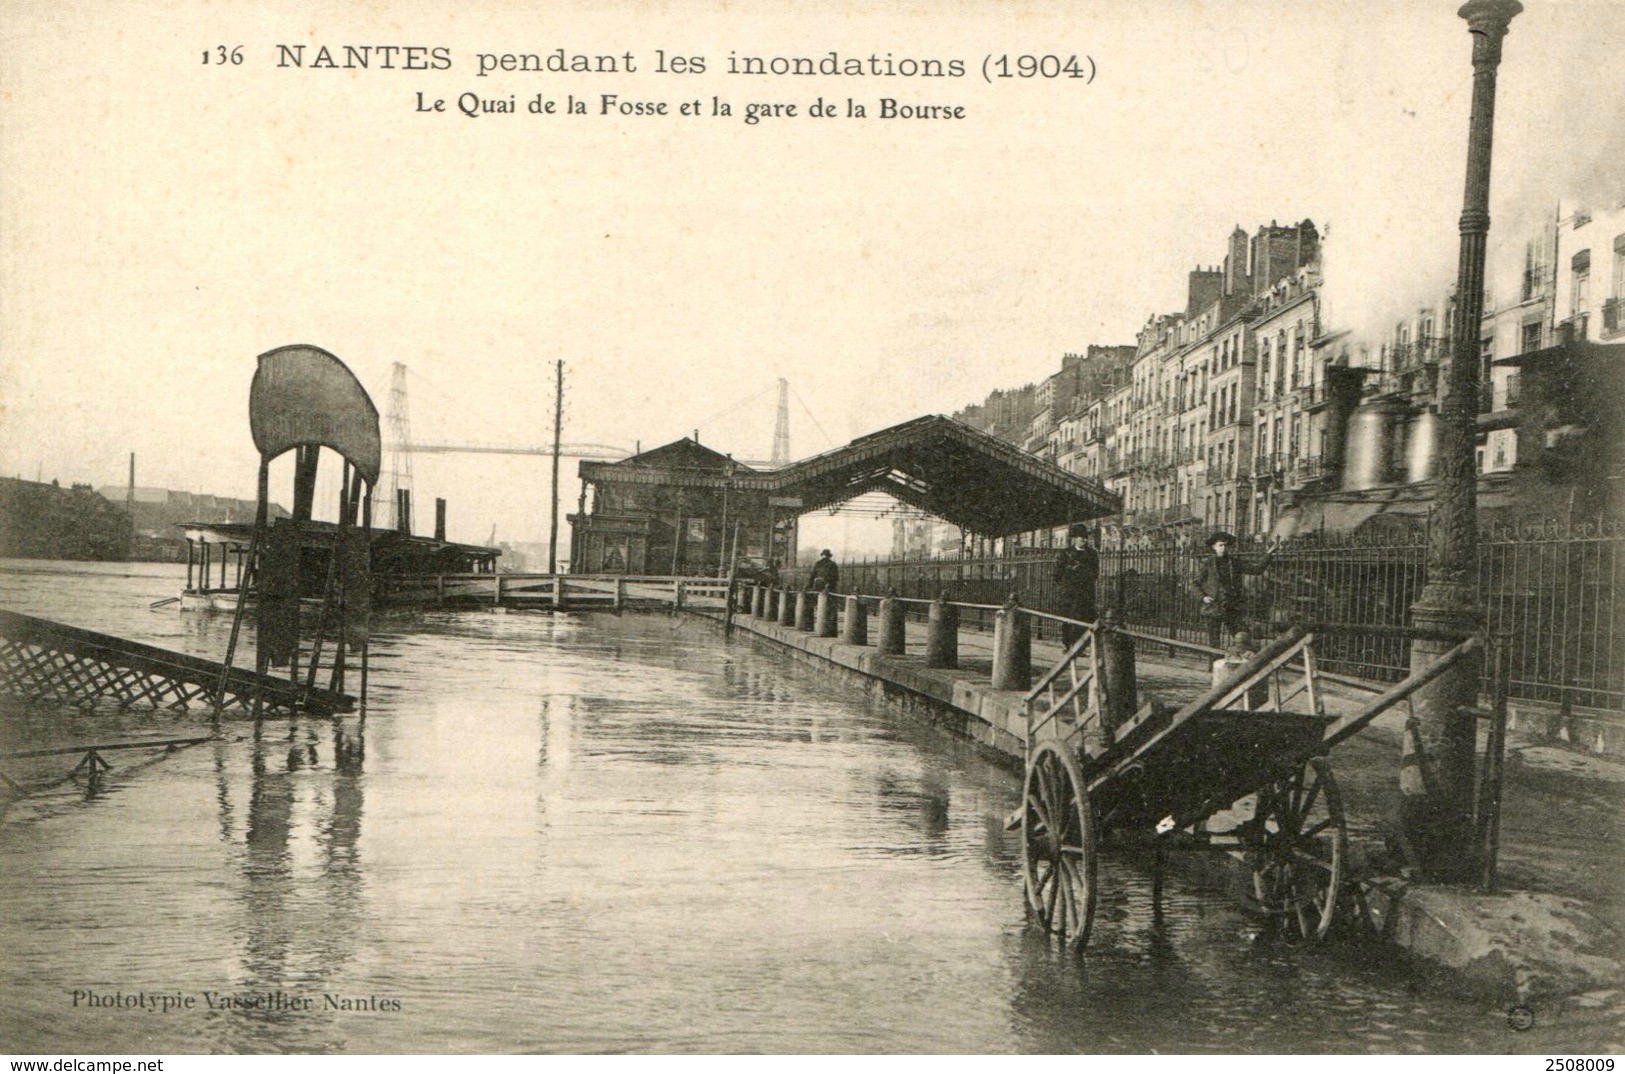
<point>400,437</point>
<point>781,428</point>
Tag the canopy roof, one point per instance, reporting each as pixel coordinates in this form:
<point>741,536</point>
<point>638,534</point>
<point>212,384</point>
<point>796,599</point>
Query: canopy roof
<point>941,466</point>
<point>947,468</point>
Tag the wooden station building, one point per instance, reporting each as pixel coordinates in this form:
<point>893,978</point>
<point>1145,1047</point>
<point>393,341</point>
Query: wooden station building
<point>677,509</point>
<point>682,508</point>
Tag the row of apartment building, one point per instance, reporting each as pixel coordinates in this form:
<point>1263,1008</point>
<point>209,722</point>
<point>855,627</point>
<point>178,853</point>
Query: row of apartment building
<point>1247,402</point>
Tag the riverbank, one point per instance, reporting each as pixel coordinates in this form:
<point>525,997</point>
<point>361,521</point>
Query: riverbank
<point>1550,935</point>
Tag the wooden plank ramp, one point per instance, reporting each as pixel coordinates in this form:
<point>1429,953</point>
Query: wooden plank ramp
<point>47,661</point>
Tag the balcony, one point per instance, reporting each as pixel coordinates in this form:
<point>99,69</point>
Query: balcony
<point>1269,465</point>
<point>1179,512</point>
<point>1309,468</point>
<point>1573,330</point>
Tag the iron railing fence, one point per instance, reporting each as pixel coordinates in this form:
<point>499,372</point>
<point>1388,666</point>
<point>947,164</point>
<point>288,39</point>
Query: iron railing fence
<point>1554,592</point>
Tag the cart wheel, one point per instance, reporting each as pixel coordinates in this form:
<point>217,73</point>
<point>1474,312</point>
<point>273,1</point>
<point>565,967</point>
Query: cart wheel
<point>1058,847</point>
<point>1298,862</point>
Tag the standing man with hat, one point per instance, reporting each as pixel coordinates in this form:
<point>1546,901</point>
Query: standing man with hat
<point>1219,584</point>
<point>1076,571</point>
<point>825,574</point>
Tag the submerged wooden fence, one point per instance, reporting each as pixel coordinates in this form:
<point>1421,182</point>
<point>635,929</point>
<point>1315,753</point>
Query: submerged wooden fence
<point>47,661</point>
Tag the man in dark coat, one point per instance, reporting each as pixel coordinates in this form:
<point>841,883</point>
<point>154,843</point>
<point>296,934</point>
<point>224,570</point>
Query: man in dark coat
<point>1219,585</point>
<point>1077,570</point>
<point>825,573</point>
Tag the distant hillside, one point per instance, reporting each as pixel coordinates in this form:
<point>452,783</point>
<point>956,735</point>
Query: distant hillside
<point>40,521</point>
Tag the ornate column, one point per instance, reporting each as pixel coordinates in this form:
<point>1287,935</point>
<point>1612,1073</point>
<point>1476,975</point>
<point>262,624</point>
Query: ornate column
<point>1436,772</point>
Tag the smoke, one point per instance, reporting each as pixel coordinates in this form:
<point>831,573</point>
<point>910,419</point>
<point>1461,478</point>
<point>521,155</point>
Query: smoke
<point>1393,237</point>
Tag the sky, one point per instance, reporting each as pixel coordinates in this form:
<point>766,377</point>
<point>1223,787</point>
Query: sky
<point>164,220</point>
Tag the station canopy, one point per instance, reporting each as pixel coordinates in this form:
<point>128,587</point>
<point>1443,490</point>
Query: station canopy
<point>948,469</point>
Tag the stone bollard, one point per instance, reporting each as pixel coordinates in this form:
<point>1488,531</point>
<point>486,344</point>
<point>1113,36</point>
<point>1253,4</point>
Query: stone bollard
<point>1012,649</point>
<point>758,603</point>
<point>855,623</point>
<point>942,635</point>
<point>806,609</point>
<point>787,607</point>
<point>824,615</point>
<point>892,638</point>
<point>1117,669</point>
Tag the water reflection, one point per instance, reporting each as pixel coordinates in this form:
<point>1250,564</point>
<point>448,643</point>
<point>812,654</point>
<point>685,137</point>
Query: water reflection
<point>610,834</point>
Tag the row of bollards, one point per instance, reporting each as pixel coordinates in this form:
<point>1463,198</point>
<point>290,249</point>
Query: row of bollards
<point>814,612</point>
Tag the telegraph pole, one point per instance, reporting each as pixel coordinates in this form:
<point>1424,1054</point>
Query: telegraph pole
<point>1436,773</point>
<point>558,425</point>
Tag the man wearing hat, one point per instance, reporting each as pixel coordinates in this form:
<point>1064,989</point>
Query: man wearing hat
<point>1076,571</point>
<point>1219,585</point>
<point>825,573</point>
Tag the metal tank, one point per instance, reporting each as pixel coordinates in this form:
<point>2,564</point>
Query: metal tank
<point>1422,447</point>
<point>1368,452</point>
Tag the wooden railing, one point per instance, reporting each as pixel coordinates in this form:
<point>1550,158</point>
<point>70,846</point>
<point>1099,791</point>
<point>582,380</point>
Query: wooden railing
<point>556,591</point>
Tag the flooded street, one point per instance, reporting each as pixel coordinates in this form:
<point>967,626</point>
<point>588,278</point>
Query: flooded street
<point>599,833</point>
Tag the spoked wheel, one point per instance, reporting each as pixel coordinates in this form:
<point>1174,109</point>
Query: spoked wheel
<point>1298,862</point>
<point>1058,847</point>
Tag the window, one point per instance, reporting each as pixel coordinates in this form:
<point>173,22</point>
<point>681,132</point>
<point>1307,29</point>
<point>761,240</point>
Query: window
<point>1531,272</point>
<point>1531,338</point>
<point>1579,293</point>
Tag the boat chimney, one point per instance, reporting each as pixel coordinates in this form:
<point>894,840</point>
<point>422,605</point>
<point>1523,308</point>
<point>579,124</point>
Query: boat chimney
<point>403,512</point>
<point>439,518</point>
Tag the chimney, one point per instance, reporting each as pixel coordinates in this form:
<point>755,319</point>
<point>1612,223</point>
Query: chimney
<point>403,512</point>
<point>1235,265</point>
<point>1308,243</point>
<point>439,518</point>
<point>1204,288</point>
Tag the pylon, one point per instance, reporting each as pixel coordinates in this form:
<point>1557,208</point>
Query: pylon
<point>781,428</point>
<point>400,435</point>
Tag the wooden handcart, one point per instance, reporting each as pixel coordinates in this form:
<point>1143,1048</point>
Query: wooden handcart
<point>1241,769</point>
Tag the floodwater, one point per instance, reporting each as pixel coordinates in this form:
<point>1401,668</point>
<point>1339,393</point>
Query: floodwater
<point>603,834</point>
